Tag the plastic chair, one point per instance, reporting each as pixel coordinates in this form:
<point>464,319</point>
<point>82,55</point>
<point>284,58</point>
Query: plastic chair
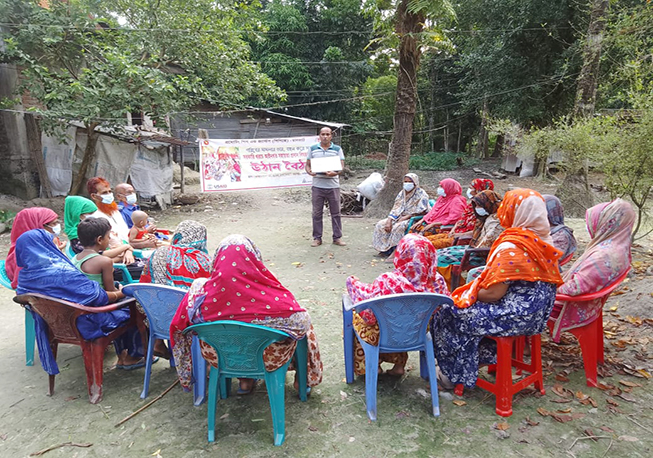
<point>403,326</point>
<point>61,318</point>
<point>415,219</point>
<point>465,265</point>
<point>503,388</point>
<point>240,347</point>
<point>160,303</point>
<point>30,334</point>
<point>590,336</point>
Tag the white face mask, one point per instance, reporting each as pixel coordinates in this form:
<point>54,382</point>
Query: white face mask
<point>469,194</point>
<point>408,186</point>
<point>441,192</point>
<point>131,199</point>
<point>480,211</point>
<point>107,198</point>
<point>56,229</point>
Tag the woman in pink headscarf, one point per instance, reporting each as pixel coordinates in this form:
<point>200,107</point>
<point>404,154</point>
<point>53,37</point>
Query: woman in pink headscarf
<point>606,257</point>
<point>448,209</point>
<point>26,220</point>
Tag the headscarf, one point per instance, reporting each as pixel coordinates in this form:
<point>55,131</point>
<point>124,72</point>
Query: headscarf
<point>522,252</point>
<point>183,261</point>
<point>488,200</point>
<point>415,262</point>
<point>74,207</point>
<point>447,209</point>
<point>240,288</point>
<point>26,220</point>
<point>563,236</point>
<point>606,257</point>
<point>482,184</point>
<point>414,202</point>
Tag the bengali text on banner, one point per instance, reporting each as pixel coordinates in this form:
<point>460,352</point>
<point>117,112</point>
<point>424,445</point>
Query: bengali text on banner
<point>229,165</point>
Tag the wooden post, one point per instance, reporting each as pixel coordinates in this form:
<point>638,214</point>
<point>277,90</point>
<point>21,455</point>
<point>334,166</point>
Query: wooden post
<point>182,188</point>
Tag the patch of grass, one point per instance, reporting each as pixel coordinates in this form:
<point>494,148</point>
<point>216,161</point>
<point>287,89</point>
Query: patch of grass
<point>7,217</point>
<point>429,161</point>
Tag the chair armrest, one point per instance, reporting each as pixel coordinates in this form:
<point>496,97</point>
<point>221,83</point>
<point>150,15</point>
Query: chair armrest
<point>23,299</point>
<point>473,251</point>
<point>591,296</point>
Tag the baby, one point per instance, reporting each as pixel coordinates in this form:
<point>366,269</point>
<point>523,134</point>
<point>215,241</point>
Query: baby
<point>141,230</point>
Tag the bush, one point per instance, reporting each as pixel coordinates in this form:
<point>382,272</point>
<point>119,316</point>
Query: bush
<point>429,161</point>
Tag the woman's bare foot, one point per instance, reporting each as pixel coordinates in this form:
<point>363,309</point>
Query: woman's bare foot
<point>125,360</point>
<point>397,370</point>
<point>160,349</point>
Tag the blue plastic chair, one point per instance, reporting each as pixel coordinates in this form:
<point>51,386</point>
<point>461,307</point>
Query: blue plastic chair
<point>240,349</point>
<point>403,326</point>
<point>160,304</point>
<point>30,333</point>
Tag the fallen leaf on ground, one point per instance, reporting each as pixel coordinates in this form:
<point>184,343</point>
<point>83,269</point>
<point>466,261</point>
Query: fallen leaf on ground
<point>501,426</point>
<point>643,373</point>
<point>628,438</point>
<point>627,397</point>
<point>562,391</point>
<point>560,400</point>
<point>459,403</point>
<point>564,410</point>
<point>312,428</point>
<point>606,429</point>
<point>224,417</point>
<point>402,414</point>
<point>562,418</point>
<point>588,432</point>
<point>604,387</point>
<point>581,396</point>
<point>530,422</point>
<point>542,411</point>
<point>562,378</point>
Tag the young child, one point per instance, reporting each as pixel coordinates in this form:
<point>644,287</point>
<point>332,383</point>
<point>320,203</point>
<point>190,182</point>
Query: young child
<point>142,230</point>
<point>94,235</point>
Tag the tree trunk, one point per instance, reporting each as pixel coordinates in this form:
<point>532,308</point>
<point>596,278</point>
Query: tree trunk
<point>498,146</point>
<point>574,192</point>
<point>408,27</point>
<point>446,132</point>
<point>89,155</point>
<point>33,132</point>
<point>482,147</point>
<point>460,133</point>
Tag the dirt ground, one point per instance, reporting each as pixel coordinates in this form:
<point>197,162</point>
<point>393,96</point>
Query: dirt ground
<point>333,422</point>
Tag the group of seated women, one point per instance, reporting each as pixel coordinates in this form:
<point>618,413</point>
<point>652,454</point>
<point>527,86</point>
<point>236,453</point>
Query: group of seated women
<point>514,293</point>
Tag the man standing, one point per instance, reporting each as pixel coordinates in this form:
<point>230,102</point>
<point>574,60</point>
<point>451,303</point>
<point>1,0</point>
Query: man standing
<point>326,187</point>
<point>126,199</point>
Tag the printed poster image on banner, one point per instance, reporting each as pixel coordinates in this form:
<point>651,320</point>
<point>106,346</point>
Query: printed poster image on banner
<point>242,164</point>
<point>326,164</point>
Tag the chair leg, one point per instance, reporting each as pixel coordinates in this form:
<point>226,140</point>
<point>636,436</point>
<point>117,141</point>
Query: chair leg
<point>148,366</point>
<point>433,379</point>
<point>93,354</point>
<point>30,338</point>
<point>588,339</point>
<point>503,383</point>
<point>600,351</point>
<point>224,387</point>
<point>371,377</point>
<point>536,362</point>
<point>211,405</point>
<point>348,342</point>
<point>55,347</point>
<point>423,369</point>
<point>199,373</point>
<point>275,382</point>
<point>301,365</point>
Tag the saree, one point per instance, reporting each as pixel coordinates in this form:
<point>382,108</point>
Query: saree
<point>563,236</point>
<point>241,288</point>
<point>415,262</point>
<point>26,220</point>
<point>415,202</point>
<point>183,261</point>
<point>606,257</point>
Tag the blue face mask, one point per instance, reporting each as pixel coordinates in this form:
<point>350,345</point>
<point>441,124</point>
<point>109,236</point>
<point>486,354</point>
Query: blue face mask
<point>480,211</point>
<point>408,186</point>
<point>441,192</point>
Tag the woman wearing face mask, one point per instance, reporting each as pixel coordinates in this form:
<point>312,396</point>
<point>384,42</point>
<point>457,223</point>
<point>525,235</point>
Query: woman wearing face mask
<point>411,201</point>
<point>448,209</point>
<point>26,220</point>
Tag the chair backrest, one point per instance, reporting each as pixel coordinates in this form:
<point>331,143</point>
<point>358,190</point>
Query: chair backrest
<point>239,345</point>
<point>4,279</point>
<point>160,303</point>
<point>403,318</point>
<point>603,293</point>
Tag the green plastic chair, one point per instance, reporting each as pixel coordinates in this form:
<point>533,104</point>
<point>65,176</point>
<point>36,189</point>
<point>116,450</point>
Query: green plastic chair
<point>30,333</point>
<point>240,349</point>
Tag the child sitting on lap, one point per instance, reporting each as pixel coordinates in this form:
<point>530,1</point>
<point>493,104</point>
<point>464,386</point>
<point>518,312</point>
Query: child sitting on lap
<point>142,230</point>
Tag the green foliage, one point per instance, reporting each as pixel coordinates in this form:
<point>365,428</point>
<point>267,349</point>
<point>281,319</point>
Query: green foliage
<point>7,217</point>
<point>431,161</point>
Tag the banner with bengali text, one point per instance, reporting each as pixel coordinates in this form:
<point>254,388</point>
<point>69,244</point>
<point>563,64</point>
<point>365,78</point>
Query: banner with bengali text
<point>229,165</point>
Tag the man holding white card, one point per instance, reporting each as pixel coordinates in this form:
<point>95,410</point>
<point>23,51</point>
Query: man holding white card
<point>324,163</point>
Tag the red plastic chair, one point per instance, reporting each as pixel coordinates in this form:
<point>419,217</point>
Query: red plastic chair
<point>503,388</point>
<point>590,336</point>
<point>61,318</point>
<point>457,270</point>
